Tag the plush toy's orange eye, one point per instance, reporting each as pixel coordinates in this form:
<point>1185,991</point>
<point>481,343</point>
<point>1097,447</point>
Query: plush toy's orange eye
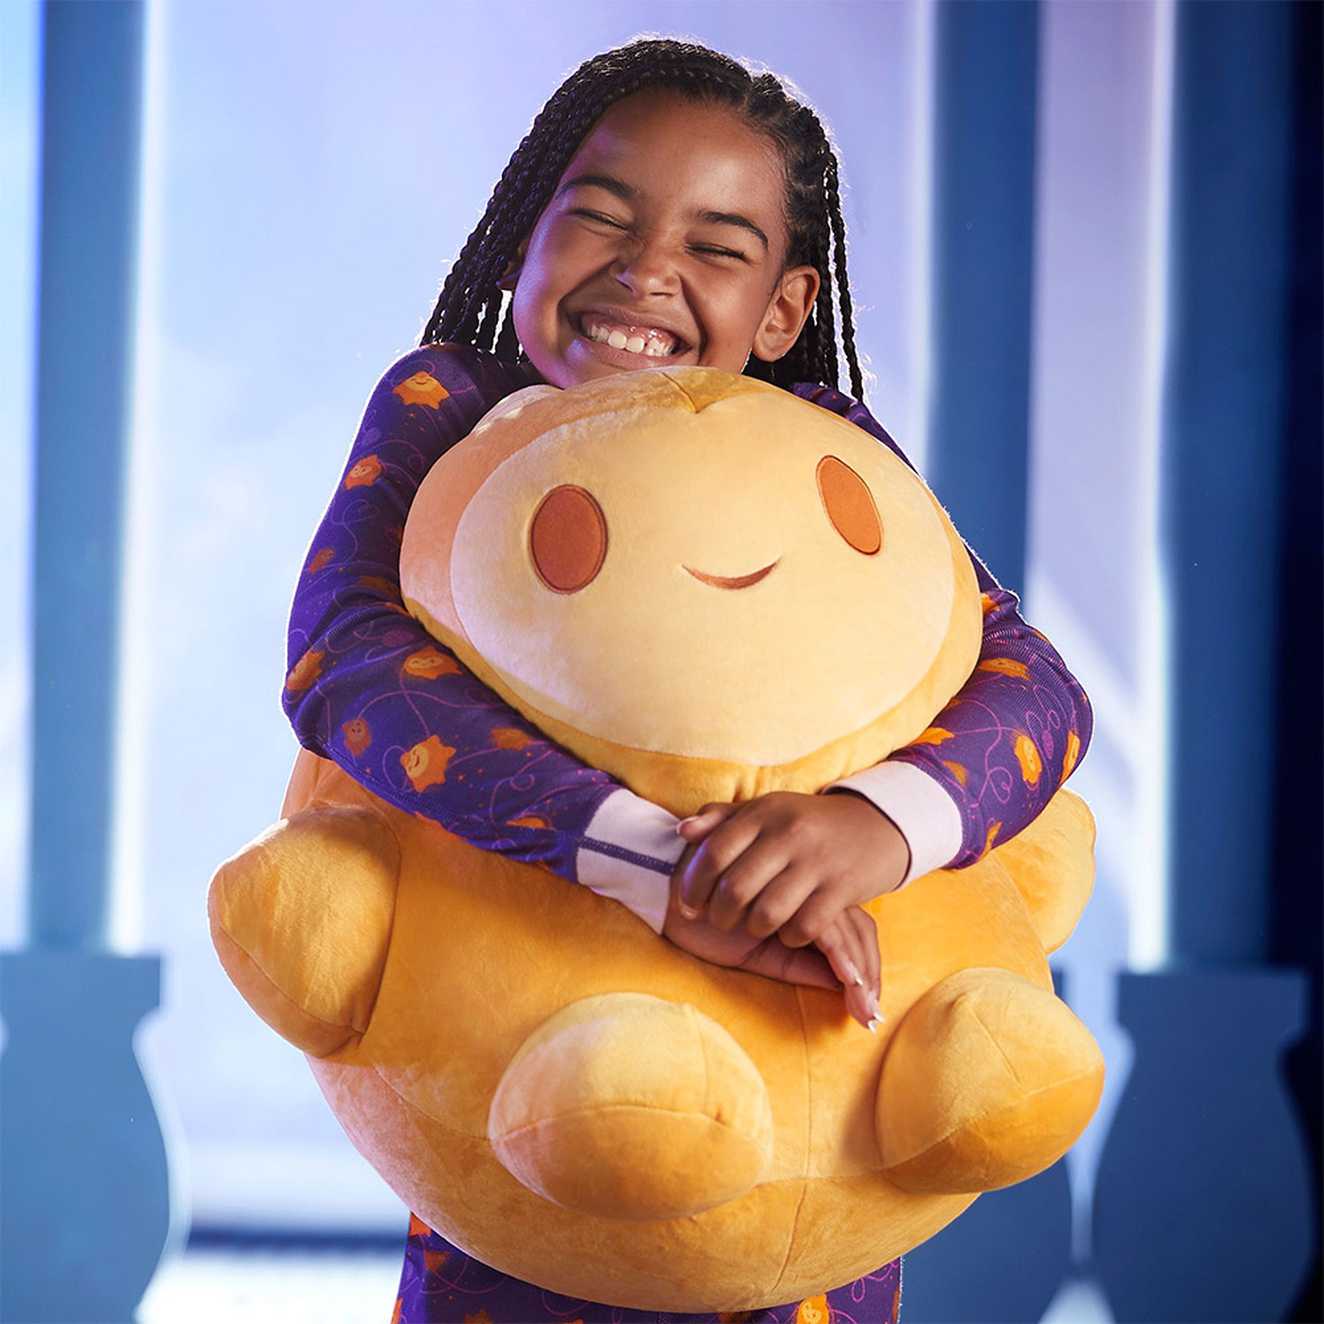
<point>849,505</point>
<point>568,539</point>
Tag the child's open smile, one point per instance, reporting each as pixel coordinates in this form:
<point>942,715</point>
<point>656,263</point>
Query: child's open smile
<point>664,243</point>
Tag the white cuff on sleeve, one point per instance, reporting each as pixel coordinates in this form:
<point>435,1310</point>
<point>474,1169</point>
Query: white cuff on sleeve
<point>923,811</point>
<point>629,850</point>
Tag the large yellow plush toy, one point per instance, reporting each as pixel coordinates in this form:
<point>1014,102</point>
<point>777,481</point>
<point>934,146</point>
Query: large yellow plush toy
<point>711,589</point>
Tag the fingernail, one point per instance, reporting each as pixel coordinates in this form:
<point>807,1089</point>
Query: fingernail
<point>853,972</point>
<point>872,1027</point>
<point>687,910</point>
<point>873,1003</point>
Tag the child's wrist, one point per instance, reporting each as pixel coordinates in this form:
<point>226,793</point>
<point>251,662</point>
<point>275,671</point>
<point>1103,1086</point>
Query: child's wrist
<point>893,851</point>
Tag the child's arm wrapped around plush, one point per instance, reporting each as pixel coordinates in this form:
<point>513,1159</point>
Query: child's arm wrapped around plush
<point>370,689</point>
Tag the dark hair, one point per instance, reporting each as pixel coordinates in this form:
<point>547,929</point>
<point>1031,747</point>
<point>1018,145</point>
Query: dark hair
<point>469,306</point>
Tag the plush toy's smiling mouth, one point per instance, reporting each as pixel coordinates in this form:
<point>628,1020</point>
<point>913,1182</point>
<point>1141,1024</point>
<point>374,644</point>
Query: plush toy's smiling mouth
<point>735,581</point>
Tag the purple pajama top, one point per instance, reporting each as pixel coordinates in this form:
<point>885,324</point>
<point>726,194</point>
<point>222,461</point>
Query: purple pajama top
<point>371,690</point>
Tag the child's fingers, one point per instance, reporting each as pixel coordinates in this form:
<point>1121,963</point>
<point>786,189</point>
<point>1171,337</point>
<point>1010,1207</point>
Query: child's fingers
<point>715,854</point>
<point>841,944</point>
<point>867,930</point>
<point>802,966</point>
<point>744,882</point>
<point>778,901</point>
<point>697,826</point>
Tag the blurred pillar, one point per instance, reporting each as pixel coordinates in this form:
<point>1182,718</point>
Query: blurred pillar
<point>1223,445</point>
<point>986,81</point>
<point>86,1209</point>
<point>1202,1205</point>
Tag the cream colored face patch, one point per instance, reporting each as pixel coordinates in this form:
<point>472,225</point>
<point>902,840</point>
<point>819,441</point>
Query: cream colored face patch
<point>748,582</point>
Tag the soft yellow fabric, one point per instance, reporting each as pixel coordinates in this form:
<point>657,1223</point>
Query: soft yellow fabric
<point>570,1097</point>
<point>753,684</point>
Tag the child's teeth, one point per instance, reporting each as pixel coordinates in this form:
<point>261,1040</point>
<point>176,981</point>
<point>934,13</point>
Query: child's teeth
<point>652,344</point>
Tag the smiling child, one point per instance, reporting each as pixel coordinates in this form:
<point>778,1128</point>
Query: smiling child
<point>667,207</point>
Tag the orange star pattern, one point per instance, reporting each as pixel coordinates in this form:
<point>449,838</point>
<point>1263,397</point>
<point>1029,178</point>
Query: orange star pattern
<point>1006,666</point>
<point>935,735</point>
<point>813,1310</point>
<point>366,472</point>
<point>421,389</point>
<point>425,764</point>
<point>1027,755</point>
<point>429,663</point>
<point>1072,754</point>
<point>358,736</point>
<point>305,671</point>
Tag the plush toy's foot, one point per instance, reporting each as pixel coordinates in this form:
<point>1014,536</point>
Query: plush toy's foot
<point>989,1080</point>
<point>629,1106</point>
<point>301,919</point>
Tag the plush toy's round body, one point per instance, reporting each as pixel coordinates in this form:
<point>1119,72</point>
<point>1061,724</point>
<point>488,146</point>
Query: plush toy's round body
<point>710,589</point>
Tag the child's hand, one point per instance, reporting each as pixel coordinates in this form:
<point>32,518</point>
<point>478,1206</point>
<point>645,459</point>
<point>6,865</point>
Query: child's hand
<point>847,955</point>
<point>787,863</point>
<point>851,945</point>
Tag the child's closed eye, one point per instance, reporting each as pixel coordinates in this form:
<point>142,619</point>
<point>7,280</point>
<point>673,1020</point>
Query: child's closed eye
<point>709,249</point>
<point>598,216</point>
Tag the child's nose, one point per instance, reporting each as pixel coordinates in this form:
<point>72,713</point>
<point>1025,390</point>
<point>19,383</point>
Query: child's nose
<point>647,267</point>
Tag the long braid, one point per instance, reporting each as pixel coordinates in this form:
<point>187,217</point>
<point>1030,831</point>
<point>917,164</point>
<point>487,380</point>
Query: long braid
<point>826,369</point>
<point>838,224</point>
<point>471,308</point>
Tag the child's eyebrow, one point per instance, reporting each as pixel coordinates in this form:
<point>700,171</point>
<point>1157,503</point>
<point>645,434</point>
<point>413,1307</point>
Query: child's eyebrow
<point>627,194</point>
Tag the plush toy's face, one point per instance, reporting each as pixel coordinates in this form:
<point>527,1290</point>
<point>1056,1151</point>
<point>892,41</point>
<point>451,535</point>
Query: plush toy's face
<point>696,565</point>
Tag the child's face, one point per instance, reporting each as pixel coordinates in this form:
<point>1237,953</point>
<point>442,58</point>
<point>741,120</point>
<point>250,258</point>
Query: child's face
<point>665,235</point>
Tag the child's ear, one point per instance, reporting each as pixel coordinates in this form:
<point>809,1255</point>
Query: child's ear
<point>788,310</point>
<point>508,278</point>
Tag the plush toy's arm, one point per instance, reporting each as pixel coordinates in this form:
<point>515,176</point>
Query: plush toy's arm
<point>997,753</point>
<point>371,690</point>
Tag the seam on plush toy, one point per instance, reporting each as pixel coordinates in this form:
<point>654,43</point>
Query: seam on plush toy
<point>979,1020</point>
<point>809,1138</point>
<point>989,1117</point>
<point>289,1001</point>
<point>616,1107</point>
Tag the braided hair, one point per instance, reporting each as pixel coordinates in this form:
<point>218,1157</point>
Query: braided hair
<point>469,308</point>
